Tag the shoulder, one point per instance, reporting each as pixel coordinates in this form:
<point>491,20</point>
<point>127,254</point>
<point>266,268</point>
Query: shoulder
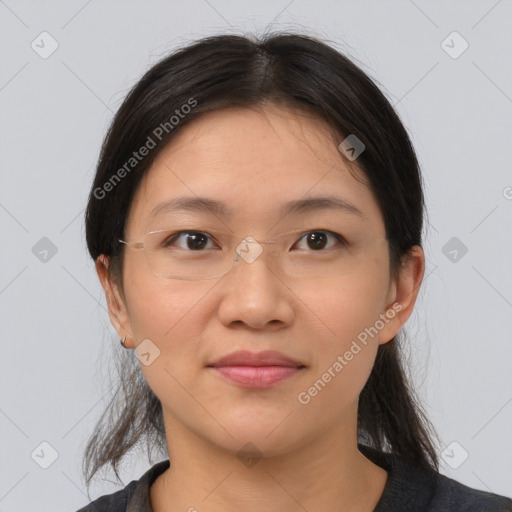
<point>115,502</point>
<point>452,495</point>
<point>133,498</point>
<point>411,487</point>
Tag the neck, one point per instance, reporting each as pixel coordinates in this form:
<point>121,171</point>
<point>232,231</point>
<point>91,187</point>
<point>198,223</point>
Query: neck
<point>326,474</point>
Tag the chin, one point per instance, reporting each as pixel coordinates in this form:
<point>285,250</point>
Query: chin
<point>266,434</point>
<point>256,444</point>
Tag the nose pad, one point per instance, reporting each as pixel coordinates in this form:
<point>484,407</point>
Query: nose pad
<point>249,249</point>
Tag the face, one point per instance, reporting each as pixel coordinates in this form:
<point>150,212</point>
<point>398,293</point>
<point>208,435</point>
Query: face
<point>255,162</point>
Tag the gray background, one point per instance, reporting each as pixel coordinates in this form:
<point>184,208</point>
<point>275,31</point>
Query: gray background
<point>56,337</point>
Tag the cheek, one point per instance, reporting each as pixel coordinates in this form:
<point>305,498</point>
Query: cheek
<point>167,312</point>
<point>347,306</point>
<point>158,306</point>
<point>344,337</point>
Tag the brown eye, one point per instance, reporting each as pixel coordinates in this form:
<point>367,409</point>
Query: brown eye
<point>197,241</point>
<point>319,240</point>
<point>194,240</point>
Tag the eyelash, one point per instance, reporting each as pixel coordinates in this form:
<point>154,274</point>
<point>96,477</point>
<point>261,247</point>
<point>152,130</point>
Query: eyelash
<point>339,238</point>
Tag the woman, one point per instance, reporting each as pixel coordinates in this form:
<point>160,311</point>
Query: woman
<point>256,222</point>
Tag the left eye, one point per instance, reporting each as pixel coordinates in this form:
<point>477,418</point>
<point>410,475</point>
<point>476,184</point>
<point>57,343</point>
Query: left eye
<point>318,240</point>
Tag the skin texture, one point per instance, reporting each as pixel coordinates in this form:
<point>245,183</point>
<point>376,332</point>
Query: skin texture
<point>254,161</point>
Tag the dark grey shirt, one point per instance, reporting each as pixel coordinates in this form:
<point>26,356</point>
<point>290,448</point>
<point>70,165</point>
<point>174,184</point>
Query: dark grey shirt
<point>408,489</point>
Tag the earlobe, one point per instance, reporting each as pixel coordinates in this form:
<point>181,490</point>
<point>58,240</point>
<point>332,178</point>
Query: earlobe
<point>405,293</point>
<point>117,310</point>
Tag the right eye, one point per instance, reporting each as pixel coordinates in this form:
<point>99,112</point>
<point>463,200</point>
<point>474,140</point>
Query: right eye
<point>192,240</point>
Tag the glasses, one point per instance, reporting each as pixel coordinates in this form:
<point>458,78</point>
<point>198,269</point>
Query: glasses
<point>190,254</point>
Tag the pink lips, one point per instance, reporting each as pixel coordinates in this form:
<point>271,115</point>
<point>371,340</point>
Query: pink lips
<point>256,370</point>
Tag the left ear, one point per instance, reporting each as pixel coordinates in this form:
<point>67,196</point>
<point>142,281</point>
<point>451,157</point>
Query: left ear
<point>403,294</point>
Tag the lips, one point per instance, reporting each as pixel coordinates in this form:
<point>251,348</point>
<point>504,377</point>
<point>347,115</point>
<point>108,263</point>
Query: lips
<point>256,370</point>
<point>247,358</point>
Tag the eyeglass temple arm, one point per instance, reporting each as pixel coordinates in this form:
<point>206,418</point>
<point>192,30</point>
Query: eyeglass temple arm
<point>134,245</point>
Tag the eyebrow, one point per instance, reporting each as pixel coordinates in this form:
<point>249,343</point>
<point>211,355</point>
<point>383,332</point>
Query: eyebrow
<point>208,205</point>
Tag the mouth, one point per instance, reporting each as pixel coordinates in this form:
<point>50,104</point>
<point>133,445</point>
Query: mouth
<point>256,370</point>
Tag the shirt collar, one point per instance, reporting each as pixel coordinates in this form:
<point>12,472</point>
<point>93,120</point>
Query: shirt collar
<point>405,482</point>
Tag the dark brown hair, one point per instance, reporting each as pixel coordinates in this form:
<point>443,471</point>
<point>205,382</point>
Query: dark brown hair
<point>286,69</point>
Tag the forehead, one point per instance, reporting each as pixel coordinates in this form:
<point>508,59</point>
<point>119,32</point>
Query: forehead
<point>254,161</point>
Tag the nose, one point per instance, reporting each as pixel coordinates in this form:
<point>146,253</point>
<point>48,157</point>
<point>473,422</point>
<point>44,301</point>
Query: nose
<point>252,292</point>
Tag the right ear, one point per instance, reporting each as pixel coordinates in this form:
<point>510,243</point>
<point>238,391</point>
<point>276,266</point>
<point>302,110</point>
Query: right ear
<point>117,309</point>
